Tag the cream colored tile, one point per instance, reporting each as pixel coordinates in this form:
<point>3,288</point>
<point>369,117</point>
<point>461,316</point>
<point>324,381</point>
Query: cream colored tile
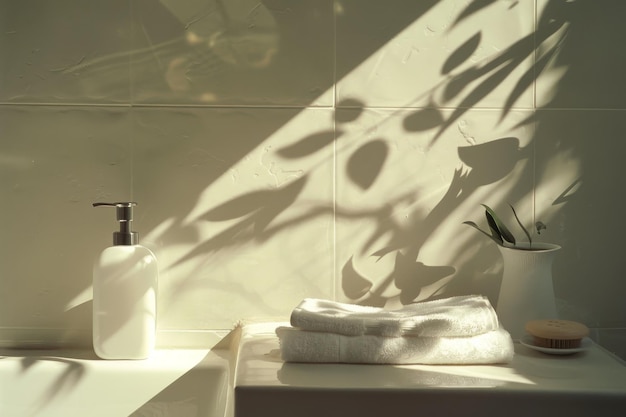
<point>238,52</point>
<point>402,199</point>
<point>399,54</point>
<point>55,162</point>
<point>67,51</point>
<point>579,196</point>
<point>238,206</point>
<point>581,64</point>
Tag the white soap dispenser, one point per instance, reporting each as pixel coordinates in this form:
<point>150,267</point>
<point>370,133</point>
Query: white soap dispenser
<point>124,293</point>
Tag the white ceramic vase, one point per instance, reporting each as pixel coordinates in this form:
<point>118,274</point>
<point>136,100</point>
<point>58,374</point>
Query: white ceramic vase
<point>526,291</point>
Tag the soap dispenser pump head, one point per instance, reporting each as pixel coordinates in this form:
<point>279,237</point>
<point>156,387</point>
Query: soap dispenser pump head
<point>124,212</point>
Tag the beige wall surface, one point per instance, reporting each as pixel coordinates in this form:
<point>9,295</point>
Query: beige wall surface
<point>285,149</point>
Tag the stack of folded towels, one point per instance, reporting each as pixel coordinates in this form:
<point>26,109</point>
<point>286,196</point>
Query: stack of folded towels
<point>454,330</point>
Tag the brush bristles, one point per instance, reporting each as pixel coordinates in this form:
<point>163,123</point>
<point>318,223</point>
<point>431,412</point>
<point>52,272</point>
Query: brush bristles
<point>557,343</point>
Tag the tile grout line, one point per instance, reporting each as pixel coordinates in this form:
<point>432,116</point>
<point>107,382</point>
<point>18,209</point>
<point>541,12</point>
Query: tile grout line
<point>287,107</point>
<point>334,224</point>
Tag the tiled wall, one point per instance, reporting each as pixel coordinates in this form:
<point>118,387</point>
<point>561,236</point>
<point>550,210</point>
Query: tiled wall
<point>285,149</point>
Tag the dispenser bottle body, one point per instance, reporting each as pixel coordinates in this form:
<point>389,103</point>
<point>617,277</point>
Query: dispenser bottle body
<point>125,281</point>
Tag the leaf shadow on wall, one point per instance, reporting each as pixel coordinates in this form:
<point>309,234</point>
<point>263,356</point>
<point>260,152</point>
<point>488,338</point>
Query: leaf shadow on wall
<point>301,50</point>
<point>483,164</point>
<point>487,75</point>
<point>257,214</point>
<point>410,275</point>
<point>487,162</point>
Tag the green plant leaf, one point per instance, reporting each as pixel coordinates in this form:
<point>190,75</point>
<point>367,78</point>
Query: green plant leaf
<point>496,225</point>
<point>530,241</point>
<point>495,232</point>
<point>495,238</point>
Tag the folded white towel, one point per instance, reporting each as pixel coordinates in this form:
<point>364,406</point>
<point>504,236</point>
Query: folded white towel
<point>304,346</point>
<point>454,316</point>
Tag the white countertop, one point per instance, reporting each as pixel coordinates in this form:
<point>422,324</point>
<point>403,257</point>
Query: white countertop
<point>590,381</point>
<point>66,383</point>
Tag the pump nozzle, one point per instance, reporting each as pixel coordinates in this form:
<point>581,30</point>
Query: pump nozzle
<point>124,212</point>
